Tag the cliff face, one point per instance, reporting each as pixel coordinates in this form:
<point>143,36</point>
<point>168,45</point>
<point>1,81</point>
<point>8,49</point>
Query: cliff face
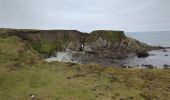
<point>49,41</point>
<point>102,39</point>
<point>46,41</point>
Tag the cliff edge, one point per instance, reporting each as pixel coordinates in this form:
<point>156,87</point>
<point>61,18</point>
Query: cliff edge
<point>48,42</point>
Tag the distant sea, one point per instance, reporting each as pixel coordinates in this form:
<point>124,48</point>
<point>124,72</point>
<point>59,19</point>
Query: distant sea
<point>158,58</point>
<point>161,38</point>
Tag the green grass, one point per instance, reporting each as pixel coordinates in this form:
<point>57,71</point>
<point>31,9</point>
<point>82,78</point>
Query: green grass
<point>82,82</point>
<point>112,36</point>
<point>13,52</point>
<point>23,73</point>
<point>43,47</point>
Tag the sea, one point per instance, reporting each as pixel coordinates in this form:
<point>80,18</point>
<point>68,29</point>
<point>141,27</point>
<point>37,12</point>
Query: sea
<point>152,38</point>
<point>157,58</point>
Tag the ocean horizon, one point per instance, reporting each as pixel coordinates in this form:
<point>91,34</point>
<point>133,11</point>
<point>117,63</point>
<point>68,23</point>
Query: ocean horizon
<point>157,38</point>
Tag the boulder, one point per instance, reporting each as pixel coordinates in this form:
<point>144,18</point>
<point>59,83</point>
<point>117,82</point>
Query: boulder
<point>164,50</point>
<point>166,55</point>
<point>142,54</point>
<point>148,66</point>
<point>166,66</point>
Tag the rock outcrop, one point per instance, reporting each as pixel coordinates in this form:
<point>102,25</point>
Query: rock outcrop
<point>47,42</point>
<point>142,54</point>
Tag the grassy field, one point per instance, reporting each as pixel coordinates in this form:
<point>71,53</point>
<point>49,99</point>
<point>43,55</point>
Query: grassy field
<point>23,73</point>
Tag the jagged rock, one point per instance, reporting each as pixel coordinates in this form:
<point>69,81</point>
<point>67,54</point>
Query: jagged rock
<point>123,66</point>
<point>166,55</point>
<point>130,67</point>
<point>87,48</point>
<point>166,66</point>
<point>148,66</point>
<point>164,50</point>
<point>33,96</point>
<point>142,54</point>
<point>100,43</point>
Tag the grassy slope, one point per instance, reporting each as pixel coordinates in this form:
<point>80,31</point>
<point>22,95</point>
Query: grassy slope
<point>23,74</point>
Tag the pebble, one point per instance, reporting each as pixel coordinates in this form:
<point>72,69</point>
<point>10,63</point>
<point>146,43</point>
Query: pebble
<point>32,96</point>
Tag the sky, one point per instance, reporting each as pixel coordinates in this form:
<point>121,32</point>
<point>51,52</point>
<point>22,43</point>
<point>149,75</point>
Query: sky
<point>86,15</point>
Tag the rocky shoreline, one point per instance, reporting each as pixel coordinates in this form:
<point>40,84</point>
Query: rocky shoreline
<point>104,47</point>
<point>106,60</point>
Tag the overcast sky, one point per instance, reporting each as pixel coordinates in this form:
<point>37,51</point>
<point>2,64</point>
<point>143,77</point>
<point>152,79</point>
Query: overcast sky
<point>86,15</point>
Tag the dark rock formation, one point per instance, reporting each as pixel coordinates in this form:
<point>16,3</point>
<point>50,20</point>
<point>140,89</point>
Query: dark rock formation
<point>166,55</point>
<point>101,42</point>
<point>148,66</point>
<point>166,66</point>
<point>164,50</point>
<point>142,54</point>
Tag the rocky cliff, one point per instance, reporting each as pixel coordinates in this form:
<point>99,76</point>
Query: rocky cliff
<point>47,42</point>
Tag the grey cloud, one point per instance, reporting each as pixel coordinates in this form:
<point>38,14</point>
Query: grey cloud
<point>86,15</point>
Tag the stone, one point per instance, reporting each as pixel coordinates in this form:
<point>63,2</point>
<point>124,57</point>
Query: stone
<point>142,54</point>
<point>164,50</point>
<point>32,96</point>
<point>166,66</point>
<point>166,55</point>
<point>148,66</point>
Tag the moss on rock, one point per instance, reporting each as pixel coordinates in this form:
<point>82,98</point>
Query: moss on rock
<point>111,36</point>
